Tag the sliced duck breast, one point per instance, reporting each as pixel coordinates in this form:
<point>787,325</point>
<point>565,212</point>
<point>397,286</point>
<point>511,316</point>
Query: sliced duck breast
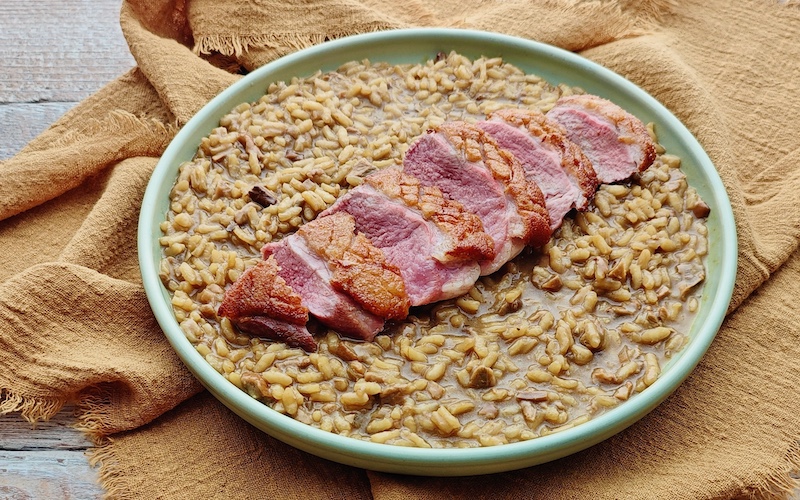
<point>468,166</point>
<point>616,142</point>
<point>468,198</point>
<point>357,267</point>
<point>309,277</point>
<point>262,304</point>
<point>462,234</point>
<point>409,242</point>
<point>549,158</point>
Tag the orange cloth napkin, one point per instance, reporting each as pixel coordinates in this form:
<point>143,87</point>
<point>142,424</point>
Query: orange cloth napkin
<point>75,325</point>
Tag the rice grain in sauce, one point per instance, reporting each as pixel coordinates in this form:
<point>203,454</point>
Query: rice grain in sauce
<point>556,337</point>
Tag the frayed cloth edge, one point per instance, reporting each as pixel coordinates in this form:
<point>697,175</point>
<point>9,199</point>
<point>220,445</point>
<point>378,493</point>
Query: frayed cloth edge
<point>31,409</point>
<point>782,483</point>
<point>92,418</point>
<point>275,43</point>
<point>103,457</point>
<point>642,17</point>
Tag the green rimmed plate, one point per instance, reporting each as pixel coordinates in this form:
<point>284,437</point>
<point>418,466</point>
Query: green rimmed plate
<point>413,46</point>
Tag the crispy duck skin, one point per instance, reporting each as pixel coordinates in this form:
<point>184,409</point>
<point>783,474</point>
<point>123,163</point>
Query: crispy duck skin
<point>310,277</point>
<point>617,143</point>
<point>262,304</point>
<point>552,134</point>
<point>358,268</point>
<point>415,245</point>
<point>467,239</point>
<point>476,146</point>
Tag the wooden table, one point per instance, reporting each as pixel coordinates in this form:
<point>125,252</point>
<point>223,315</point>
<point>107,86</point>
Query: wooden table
<point>53,54</point>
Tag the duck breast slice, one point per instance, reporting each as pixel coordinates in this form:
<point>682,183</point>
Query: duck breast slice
<point>409,242</point>
<point>309,276</point>
<point>616,142</point>
<point>462,237</point>
<point>261,303</point>
<point>468,166</point>
<point>548,157</point>
<point>358,268</point>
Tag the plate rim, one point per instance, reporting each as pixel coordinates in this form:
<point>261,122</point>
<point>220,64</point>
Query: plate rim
<point>450,461</point>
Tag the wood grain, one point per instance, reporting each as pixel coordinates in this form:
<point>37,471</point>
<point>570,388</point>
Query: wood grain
<point>46,474</point>
<point>48,460</point>
<point>57,433</point>
<point>24,121</point>
<point>53,51</point>
<point>53,54</point>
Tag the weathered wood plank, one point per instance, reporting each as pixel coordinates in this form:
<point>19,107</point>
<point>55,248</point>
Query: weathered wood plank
<point>24,121</point>
<point>48,460</point>
<point>47,474</point>
<point>59,51</point>
<point>58,433</point>
<point>49,62</point>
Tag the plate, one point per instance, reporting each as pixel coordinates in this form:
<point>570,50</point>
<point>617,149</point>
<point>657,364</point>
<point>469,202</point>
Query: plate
<point>414,46</point>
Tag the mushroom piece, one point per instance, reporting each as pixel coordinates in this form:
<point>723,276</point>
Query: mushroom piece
<point>532,395</point>
<point>553,284</point>
<point>618,271</point>
<point>692,274</point>
<point>700,209</point>
<point>262,196</point>
<point>482,377</point>
<point>255,385</point>
<point>393,395</point>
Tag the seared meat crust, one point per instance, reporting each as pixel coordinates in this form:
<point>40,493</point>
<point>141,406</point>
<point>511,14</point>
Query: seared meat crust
<point>358,267</point>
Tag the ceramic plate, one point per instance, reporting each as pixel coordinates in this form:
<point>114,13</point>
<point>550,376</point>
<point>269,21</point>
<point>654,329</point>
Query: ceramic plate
<point>415,46</point>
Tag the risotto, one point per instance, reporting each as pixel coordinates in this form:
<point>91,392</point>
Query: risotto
<point>557,336</point>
